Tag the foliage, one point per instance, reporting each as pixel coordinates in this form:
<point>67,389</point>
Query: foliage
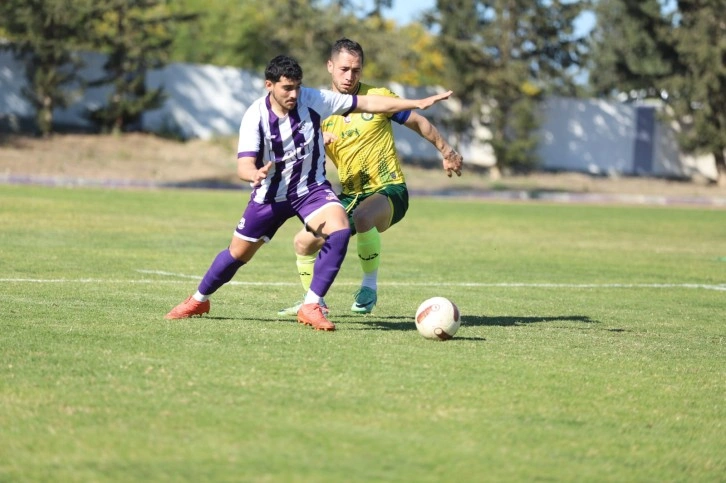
<point>137,37</point>
<point>594,357</point>
<point>45,34</point>
<point>249,34</point>
<point>309,31</point>
<point>48,36</point>
<point>642,49</point>
<point>224,33</point>
<point>630,47</point>
<point>504,56</point>
<point>425,63</point>
<point>698,95</point>
<point>408,55</point>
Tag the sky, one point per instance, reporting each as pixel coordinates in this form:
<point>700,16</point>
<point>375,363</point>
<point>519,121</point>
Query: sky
<point>404,12</point>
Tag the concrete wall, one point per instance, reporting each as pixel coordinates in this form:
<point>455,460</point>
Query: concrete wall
<point>204,101</point>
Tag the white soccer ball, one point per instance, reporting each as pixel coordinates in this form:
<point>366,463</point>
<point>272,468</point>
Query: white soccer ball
<point>438,318</point>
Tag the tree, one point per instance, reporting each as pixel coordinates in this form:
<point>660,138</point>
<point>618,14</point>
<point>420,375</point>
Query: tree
<point>378,6</point>
<point>137,36</point>
<point>505,55</point>
<point>631,49</point>
<point>306,36</point>
<point>408,55</point>
<point>698,95</point>
<point>677,56</point>
<point>44,35</point>
<point>224,33</point>
<point>249,34</point>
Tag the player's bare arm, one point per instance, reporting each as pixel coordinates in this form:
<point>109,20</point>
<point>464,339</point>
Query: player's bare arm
<point>452,159</point>
<point>391,105</point>
<point>248,171</point>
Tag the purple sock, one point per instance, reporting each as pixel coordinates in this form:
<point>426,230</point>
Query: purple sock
<point>220,272</point>
<point>329,261</point>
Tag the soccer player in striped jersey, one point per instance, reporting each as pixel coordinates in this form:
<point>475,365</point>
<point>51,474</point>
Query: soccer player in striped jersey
<point>374,193</point>
<point>281,153</point>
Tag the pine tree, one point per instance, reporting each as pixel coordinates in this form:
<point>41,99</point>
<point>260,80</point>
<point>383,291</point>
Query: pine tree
<point>505,55</point>
<point>632,49</point>
<point>44,35</point>
<point>642,49</point>
<point>137,36</point>
<point>698,94</point>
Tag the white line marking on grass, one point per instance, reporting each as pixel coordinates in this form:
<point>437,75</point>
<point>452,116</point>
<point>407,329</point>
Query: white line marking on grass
<point>169,274</point>
<point>720,287</point>
<point>583,285</point>
<point>717,287</point>
<point>144,281</point>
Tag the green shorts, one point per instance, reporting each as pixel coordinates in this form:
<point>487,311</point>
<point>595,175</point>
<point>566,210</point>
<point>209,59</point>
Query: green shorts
<point>397,195</point>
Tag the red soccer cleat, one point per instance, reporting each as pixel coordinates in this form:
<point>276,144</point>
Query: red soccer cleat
<point>188,308</point>
<point>312,315</point>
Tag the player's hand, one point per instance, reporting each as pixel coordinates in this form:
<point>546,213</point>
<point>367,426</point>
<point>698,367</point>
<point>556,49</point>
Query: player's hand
<point>430,101</point>
<point>453,162</point>
<point>261,174</point>
<point>329,137</point>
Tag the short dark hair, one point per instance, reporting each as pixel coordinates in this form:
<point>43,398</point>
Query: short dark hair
<point>283,66</point>
<point>347,45</point>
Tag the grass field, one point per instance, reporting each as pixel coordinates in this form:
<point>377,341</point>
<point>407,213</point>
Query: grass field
<point>592,346</point>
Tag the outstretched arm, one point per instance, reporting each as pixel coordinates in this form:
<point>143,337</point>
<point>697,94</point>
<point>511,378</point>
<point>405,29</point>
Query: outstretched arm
<point>390,105</point>
<point>452,159</point>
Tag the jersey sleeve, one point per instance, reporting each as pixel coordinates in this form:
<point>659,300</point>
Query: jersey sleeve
<point>400,117</point>
<point>250,133</point>
<point>328,103</point>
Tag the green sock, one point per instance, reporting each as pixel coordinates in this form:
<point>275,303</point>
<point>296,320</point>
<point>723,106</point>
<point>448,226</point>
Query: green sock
<point>369,250</point>
<point>305,264</point>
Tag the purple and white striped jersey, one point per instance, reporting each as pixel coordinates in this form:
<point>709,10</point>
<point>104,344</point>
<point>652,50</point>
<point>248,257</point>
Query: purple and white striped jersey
<point>294,143</point>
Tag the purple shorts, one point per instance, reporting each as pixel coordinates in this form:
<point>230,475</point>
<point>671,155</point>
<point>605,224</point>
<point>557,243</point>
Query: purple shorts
<point>260,221</point>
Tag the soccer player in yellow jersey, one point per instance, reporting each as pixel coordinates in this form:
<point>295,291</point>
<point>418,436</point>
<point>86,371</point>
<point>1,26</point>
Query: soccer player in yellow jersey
<point>374,192</point>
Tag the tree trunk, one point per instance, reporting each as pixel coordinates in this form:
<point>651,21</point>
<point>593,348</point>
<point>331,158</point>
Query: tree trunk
<point>720,168</point>
<point>44,117</point>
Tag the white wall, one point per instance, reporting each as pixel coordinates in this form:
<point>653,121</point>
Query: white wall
<point>12,80</point>
<point>599,137</point>
<point>204,101</point>
<point>586,135</point>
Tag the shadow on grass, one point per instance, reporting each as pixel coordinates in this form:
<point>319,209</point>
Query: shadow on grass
<point>507,321</point>
<point>401,323</point>
<point>404,323</point>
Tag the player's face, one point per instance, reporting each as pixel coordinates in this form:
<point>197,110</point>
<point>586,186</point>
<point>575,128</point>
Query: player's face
<point>283,93</point>
<point>345,69</point>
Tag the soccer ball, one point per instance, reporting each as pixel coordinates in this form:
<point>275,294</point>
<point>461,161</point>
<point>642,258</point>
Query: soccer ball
<point>438,318</point>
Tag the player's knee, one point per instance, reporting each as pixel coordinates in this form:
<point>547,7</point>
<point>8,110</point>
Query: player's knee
<point>367,223</point>
<point>306,245</point>
<point>362,222</point>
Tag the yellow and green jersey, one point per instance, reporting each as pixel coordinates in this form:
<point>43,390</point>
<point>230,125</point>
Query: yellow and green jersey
<point>365,151</point>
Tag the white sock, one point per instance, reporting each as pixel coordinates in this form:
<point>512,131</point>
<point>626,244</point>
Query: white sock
<point>200,297</point>
<point>370,280</point>
<point>311,298</point>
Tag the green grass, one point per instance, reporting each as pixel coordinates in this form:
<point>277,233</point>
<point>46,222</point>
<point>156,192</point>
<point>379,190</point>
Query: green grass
<point>591,349</point>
